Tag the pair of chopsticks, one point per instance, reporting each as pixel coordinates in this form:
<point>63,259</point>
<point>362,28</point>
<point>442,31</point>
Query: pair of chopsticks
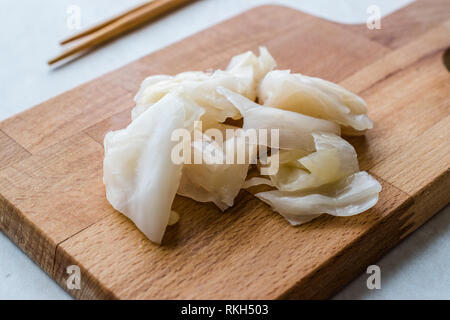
<point>117,26</point>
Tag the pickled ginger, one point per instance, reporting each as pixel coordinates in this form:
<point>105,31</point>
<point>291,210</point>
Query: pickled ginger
<point>316,171</point>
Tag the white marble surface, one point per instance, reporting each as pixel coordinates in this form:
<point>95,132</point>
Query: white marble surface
<point>417,268</point>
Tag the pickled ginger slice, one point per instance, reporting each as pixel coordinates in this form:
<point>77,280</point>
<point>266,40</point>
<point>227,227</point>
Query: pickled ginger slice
<point>215,180</point>
<point>242,76</point>
<point>140,178</point>
<point>295,130</point>
<point>257,181</point>
<point>247,62</point>
<point>314,97</point>
<point>349,196</point>
<point>333,160</point>
<point>174,218</point>
<point>198,86</point>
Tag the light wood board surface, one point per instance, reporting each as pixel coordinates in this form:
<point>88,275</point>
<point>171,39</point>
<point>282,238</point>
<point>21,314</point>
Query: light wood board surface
<point>52,200</point>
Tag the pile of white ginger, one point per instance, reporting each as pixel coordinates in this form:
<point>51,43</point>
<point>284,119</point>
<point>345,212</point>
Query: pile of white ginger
<point>318,170</point>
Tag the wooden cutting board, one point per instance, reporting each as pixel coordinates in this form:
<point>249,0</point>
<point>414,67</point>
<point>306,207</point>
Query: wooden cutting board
<point>52,200</point>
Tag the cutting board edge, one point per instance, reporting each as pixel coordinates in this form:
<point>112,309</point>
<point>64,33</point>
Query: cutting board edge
<point>93,289</point>
<point>395,220</point>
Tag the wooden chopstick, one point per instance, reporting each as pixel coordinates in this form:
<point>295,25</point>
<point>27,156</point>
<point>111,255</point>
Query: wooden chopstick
<point>121,25</point>
<point>102,24</point>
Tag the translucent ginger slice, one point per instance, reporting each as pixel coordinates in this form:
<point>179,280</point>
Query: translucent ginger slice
<point>249,62</point>
<point>242,75</point>
<point>140,178</point>
<point>314,97</point>
<point>333,160</point>
<point>173,218</point>
<point>295,130</point>
<point>349,196</point>
<point>214,180</point>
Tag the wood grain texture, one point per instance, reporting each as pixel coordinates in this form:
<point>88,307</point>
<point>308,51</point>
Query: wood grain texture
<point>249,252</point>
<point>421,168</point>
<point>10,152</point>
<point>71,112</point>
<point>405,25</point>
<point>56,193</point>
<point>407,84</point>
<point>52,201</point>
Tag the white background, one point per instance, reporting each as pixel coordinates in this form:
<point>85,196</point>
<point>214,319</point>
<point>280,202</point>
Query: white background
<point>417,268</point>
